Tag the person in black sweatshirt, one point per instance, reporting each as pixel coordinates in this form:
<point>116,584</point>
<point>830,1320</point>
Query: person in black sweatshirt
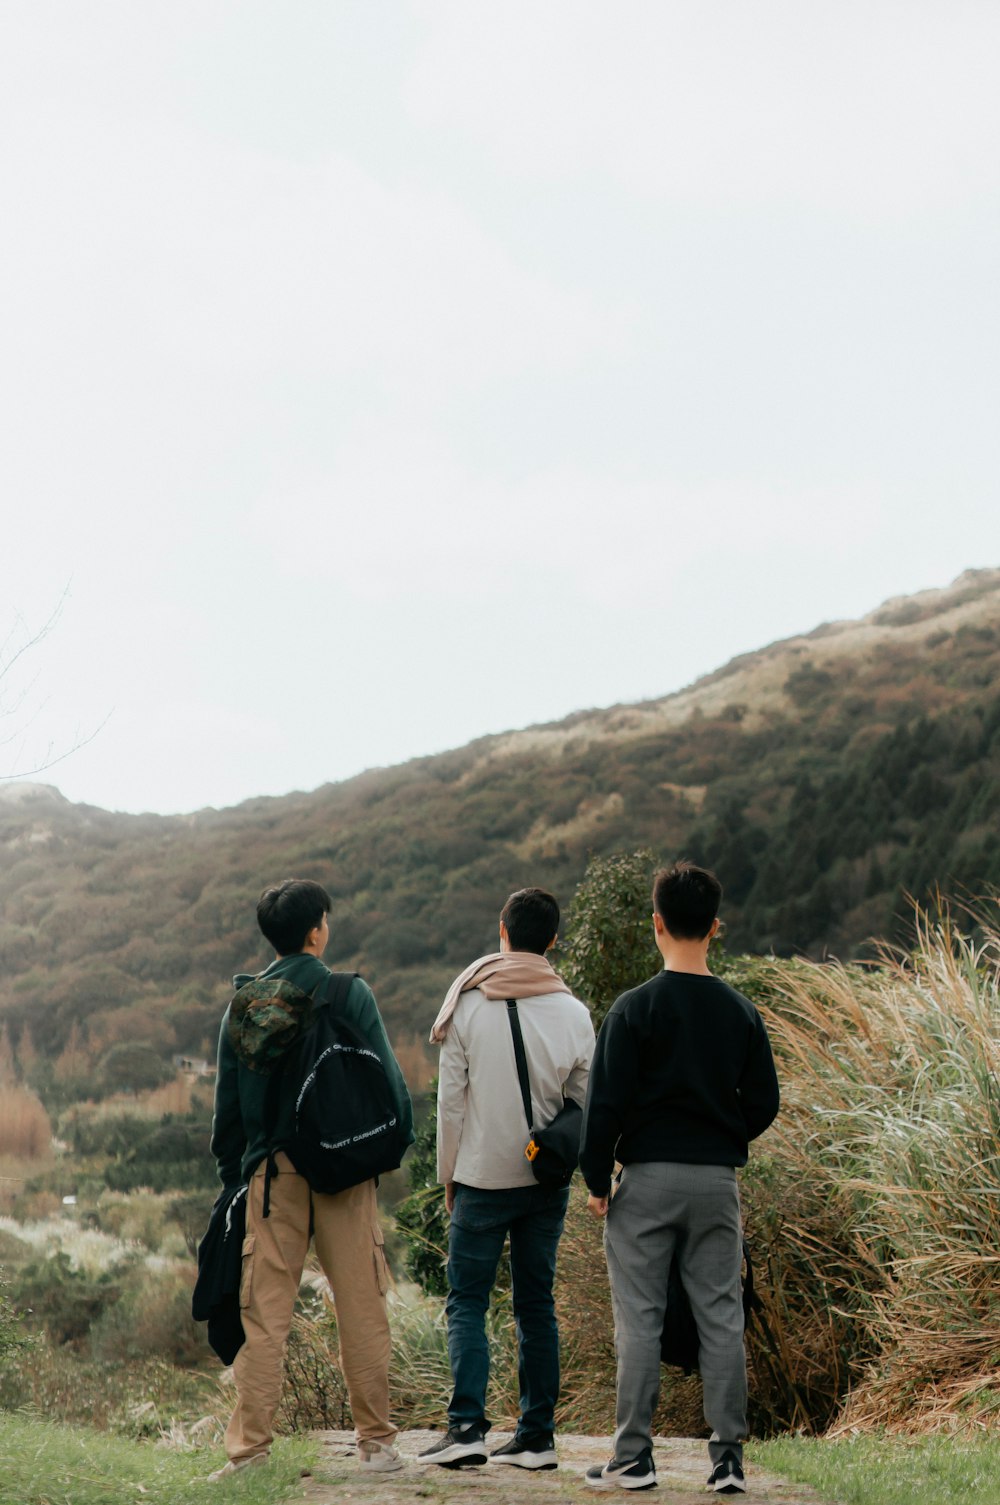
<point>682,1079</point>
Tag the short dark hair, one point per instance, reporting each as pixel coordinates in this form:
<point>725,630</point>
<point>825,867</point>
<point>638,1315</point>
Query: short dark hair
<point>687,900</point>
<point>287,911</point>
<point>531,917</point>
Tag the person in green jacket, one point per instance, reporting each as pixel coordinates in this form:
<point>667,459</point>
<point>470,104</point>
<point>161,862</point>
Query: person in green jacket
<point>294,918</point>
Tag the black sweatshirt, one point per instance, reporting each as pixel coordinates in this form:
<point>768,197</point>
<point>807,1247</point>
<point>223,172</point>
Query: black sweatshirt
<point>683,1071</point>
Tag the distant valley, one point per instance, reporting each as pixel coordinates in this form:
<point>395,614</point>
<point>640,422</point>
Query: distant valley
<point>826,777</point>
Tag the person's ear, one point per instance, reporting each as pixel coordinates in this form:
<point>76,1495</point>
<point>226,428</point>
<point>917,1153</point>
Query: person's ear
<point>658,925</point>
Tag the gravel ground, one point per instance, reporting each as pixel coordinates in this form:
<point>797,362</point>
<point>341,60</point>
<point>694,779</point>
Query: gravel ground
<point>681,1465</point>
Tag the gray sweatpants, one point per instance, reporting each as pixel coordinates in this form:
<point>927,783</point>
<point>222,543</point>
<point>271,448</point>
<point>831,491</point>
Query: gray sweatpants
<point>663,1210</point>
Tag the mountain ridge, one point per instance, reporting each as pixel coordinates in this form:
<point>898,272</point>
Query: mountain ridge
<point>825,776</point>
<point>898,616</point>
<point>907,617</point>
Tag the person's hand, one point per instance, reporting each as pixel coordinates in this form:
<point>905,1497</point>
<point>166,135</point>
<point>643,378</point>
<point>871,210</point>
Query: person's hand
<point>598,1206</point>
<point>449,1197</point>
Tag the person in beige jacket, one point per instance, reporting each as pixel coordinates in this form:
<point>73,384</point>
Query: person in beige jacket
<point>490,1190</point>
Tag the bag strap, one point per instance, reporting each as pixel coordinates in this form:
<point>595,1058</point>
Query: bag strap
<point>521,1059</point>
<point>333,990</point>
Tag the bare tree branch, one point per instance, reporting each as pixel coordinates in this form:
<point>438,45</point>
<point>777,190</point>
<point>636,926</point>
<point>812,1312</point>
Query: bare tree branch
<point>18,642</point>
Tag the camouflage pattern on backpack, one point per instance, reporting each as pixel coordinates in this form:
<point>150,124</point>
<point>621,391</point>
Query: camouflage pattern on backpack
<point>266,1017</point>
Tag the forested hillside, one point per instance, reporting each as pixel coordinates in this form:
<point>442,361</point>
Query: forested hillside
<point>824,777</point>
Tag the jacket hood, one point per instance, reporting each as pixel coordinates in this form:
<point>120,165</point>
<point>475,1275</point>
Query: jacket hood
<point>304,970</point>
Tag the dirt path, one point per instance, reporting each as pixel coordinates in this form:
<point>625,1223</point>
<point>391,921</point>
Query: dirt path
<point>681,1464</point>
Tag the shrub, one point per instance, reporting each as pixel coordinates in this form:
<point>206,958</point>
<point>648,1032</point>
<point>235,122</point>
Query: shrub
<point>609,935</point>
<point>163,1155</point>
<point>421,1218</point>
<point>166,1162</point>
<point>314,1393</point>
<point>64,1299</point>
<point>14,1339</point>
<point>137,1217</point>
<point>150,1320</point>
<point>191,1214</point>
<point>133,1068</point>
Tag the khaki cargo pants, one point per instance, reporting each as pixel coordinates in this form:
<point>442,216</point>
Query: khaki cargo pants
<point>349,1248</point>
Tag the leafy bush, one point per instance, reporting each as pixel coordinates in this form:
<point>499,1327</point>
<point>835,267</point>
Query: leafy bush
<point>134,1218</point>
<point>164,1155</point>
<point>14,1339</point>
<point>191,1214</point>
<point>133,1067</point>
<point>65,1300</point>
<point>421,1218</point>
<point>609,942</point>
<point>151,1319</point>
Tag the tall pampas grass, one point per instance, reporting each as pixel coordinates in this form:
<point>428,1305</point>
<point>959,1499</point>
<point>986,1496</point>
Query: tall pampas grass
<point>891,1126</point>
<point>25,1130</point>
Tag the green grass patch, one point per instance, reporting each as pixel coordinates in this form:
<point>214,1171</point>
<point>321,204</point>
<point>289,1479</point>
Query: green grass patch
<point>45,1464</point>
<point>880,1470</point>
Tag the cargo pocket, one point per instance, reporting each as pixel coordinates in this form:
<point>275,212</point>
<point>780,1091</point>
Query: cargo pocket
<point>246,1272</point>
<point>381,1268</point>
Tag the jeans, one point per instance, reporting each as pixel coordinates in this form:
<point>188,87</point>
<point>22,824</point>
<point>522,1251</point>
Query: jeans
<point>533,1216</point>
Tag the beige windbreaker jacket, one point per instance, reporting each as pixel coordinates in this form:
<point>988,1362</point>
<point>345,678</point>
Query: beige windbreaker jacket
<point>481,1130</point>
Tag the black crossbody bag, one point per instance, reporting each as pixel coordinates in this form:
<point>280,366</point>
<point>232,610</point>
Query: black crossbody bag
<point>554,1152</point>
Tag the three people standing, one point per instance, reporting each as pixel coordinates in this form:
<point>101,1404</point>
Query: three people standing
<point>681,1080</point>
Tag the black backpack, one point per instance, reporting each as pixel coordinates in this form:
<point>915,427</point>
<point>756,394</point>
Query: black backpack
<point>329,1103</point>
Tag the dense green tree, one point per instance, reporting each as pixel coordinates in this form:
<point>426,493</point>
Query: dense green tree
<point>133,1068</point>
<point>609,942</point>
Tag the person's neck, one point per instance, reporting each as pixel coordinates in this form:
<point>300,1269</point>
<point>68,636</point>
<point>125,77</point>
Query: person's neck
<point>685,956</point>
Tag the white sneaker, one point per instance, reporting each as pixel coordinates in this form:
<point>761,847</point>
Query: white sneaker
<point>379,1457</point>
<point>235,1466</point>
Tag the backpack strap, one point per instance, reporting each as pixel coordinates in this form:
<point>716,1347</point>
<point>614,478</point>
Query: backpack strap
<point>521,1059</point>
<point>331,993</point>
<point>333,990</point>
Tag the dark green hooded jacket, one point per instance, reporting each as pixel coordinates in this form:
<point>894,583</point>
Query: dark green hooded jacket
<point>238,1139</point>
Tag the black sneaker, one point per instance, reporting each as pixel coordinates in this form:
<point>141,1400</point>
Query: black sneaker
<point>726,1477</point>
<point>637,1474</point>
<point>527,1452</point>
<point>460,1447</point>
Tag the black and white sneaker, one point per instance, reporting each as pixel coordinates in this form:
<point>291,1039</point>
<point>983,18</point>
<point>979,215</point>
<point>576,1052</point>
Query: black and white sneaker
<point>460,1447</point>
<point>527,1452</point>
<point>639,1473</point>
<point>726,1477</point>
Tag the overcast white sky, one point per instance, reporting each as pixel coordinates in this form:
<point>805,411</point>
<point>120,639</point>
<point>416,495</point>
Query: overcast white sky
<point>377,375</point>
